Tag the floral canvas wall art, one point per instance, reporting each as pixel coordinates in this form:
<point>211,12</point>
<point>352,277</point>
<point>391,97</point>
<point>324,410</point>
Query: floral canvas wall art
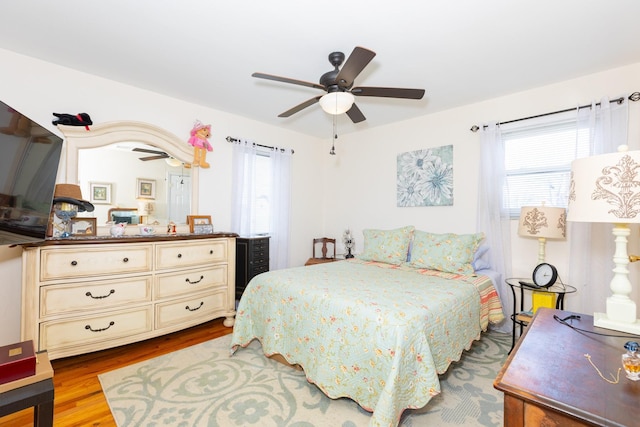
<point>425,177</point>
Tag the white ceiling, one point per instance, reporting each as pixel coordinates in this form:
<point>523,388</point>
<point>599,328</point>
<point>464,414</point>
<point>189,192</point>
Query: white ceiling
<point>204,51</point>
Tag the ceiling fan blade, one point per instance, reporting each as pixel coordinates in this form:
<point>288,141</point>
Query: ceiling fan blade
<point>146,150</point>
<point>288,80</point>
<point>388,92</point>
<point>144,159</point>
<point>300,107</point>
<point>354,65</point>
<point>355,114</point>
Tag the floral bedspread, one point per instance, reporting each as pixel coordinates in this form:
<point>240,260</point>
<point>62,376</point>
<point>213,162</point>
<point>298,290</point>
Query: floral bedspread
<point>372,332</point>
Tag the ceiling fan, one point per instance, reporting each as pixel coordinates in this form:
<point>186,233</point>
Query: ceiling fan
<point>158,154</point>
<point>338,85</point>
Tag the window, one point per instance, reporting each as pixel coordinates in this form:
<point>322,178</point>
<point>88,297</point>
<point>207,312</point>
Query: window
<point>538,156</point>
<point>262,197</point>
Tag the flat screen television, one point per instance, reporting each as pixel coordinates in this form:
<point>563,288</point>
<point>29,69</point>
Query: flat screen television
<point>29,159</point>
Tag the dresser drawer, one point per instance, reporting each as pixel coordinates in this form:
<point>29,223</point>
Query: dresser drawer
<point>259,245</point>
<point>258,268</point>
<point>98,295</point>
<point>192,253</point>
<point>190,281</point>
<point>95,328</point>
<point>62,263</point>
<point>190,309</point>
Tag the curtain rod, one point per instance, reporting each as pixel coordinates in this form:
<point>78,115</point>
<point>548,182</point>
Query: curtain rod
<point>635,96</point>
<point>232,140</point>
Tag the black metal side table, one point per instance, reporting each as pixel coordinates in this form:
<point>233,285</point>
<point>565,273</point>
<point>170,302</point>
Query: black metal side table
<point>560,289</point>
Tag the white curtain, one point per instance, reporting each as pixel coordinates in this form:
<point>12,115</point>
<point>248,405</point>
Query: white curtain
<point>281,207</point>
<point>243,188</point>
<point>591,244</point>
<point>493,219</point>
<point>244,198</point>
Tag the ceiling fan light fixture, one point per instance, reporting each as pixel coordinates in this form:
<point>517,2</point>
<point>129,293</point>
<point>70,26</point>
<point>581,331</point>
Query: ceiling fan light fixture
<point>337,102</point>
<point>174,163</point>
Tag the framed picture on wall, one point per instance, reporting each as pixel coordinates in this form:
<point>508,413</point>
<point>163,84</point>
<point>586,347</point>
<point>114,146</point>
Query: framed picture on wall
<point>100,193</point>
<point>145,188</point>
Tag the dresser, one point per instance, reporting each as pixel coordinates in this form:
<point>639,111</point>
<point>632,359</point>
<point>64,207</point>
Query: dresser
<point>548,381</point>
<point>85,295</point>
<point>252,258</point>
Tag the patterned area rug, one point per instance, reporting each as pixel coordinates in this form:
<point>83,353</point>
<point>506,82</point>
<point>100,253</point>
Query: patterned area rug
<point>203,386</point>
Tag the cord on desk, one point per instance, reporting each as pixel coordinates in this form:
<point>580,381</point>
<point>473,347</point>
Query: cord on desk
<point>565,322</point>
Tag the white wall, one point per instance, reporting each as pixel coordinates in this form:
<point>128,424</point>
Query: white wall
<point>38,89</point>
<point>362,177</point>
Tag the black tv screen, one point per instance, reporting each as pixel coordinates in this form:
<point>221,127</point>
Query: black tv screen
<point>29,158</point>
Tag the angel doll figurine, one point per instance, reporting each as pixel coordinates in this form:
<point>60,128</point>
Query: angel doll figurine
<point>349,243</point>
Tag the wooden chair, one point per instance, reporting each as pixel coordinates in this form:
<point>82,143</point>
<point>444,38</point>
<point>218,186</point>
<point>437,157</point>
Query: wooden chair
<point>325,241</point>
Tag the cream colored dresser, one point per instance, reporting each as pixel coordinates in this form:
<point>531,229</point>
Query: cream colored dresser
<point>80,296</point>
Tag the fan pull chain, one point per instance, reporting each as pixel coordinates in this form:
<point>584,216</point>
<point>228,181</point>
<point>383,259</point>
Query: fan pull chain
<point>335,131</point>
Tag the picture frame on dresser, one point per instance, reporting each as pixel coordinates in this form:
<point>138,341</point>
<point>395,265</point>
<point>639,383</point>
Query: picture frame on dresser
<point>200,224</point>
<point>79,226</point>
<point>83,226</point>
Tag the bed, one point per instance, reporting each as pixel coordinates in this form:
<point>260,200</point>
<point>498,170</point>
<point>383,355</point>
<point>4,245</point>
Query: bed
<point>376,329</point>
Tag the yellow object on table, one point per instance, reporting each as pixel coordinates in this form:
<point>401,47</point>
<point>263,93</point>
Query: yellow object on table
<point>543,299</point>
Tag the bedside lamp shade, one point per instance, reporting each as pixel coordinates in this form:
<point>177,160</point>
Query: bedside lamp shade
<point>606,188</point>
<point>542,222</point>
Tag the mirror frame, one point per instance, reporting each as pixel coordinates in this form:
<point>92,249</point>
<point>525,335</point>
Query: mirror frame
<point>100,135</point>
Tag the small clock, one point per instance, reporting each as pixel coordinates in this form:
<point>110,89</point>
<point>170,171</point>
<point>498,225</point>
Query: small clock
<point>545,275</point>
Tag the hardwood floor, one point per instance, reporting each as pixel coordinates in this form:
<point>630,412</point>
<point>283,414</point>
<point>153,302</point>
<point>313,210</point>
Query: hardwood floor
<point>79,400</point>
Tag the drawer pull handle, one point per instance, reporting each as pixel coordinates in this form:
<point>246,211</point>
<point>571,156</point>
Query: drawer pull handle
<point>179,255</point>
<point>196,282</point>
<point>74,263</point>
<point>125,259</point>
<point>111,292</point>
<point>195,308</point>
<point>100,330</point>
<point>211,252</point>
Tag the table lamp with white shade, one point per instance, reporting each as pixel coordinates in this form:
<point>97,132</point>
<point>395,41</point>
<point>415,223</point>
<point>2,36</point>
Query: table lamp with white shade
<point>606,188</point>
<point>542,222</point>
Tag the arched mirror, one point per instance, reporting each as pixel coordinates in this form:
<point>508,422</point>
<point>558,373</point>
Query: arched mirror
<point>132,165</point>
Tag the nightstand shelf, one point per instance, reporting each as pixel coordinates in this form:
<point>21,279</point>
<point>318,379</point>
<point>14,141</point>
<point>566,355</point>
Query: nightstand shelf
<point>524,317</point>
<point>519,318</point>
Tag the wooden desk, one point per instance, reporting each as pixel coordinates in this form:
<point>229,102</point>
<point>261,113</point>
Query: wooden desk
<point>547,380</point>
<point>35,391</point>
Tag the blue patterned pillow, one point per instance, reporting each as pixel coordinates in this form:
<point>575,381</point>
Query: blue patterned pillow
<point>389,246</point>
<point>451,253</point>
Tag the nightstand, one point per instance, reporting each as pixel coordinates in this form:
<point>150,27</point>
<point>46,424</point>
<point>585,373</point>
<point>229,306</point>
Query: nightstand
<point>522,320</point>
<point>252,258</point>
